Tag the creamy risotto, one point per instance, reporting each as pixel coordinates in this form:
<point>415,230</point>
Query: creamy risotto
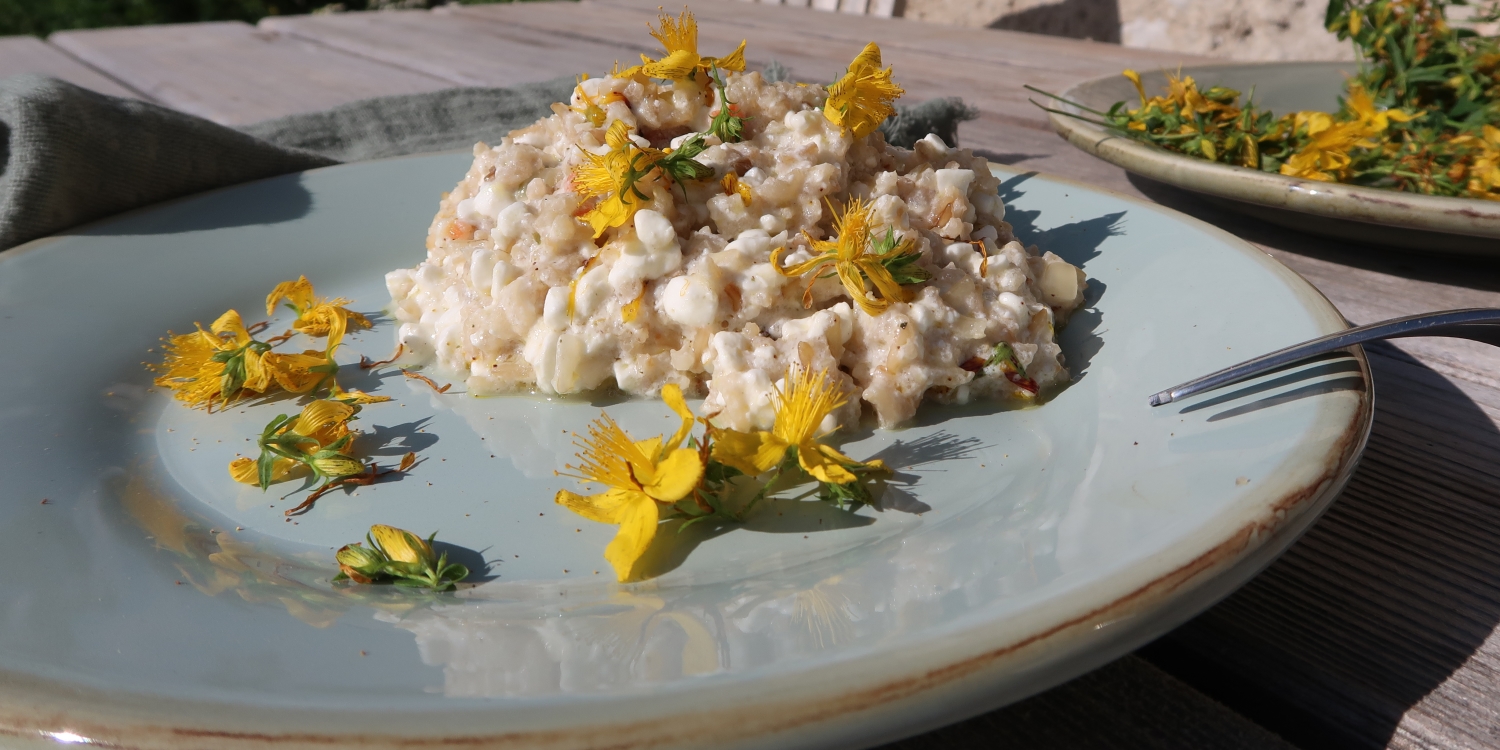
<point>517,293</point>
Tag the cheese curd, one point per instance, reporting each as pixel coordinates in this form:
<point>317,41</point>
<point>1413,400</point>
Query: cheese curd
<point>516,294</point>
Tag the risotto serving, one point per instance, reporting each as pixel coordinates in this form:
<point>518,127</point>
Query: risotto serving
<point>715,230</point>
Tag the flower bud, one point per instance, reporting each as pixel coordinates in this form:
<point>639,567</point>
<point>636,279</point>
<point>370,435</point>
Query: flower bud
<point>338,466</point>
<point>403,546</point>
<point>360,563</point>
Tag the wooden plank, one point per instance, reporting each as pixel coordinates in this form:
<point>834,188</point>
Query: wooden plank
<point>455,48</point>
<point>233,73</point>
<point>814,52</point>
<point>951,42</point>
<point>27,54</point>
<point>1127,704</point>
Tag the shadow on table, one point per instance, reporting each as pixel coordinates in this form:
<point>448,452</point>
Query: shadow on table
<point>1394,589</point>
<point>1472,273</point>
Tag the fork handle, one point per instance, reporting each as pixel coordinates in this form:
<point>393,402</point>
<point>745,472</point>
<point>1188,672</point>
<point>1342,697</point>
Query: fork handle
<point>1476,324</point>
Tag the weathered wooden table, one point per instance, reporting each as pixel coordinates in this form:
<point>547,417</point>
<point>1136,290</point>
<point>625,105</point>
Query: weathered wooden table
<point>1376,629</point>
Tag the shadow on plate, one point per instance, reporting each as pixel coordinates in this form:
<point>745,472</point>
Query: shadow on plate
<point>1320,369</point>
<point>1077,243</point>
<point>796,509</point>
<point>479,568</point>
<point>270,201</point>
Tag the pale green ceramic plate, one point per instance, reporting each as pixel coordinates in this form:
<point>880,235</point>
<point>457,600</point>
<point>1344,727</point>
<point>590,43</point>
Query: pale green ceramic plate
<point>1348,212</point>
<point>149,602</point>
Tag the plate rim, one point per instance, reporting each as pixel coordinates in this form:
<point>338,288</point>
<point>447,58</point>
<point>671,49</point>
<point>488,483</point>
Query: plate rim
<point>923,695</point>
<point>1467,217</point>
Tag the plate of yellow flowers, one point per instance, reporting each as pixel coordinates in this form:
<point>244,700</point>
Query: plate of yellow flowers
<point>1401,148</point>
<point>248,503</point>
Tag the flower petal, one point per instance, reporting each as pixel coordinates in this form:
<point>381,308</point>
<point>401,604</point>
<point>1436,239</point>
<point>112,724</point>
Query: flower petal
<point>293,371</point>
<point>817,462</point>
<point>676,476</point>
<point>322,414</point>
<point>337,324</point>
<point>257,375</point>
<point>854,284</point>
<point>611,212</point>
<point>230,322</point>
<point>675,66</point>
<point>754,453</point>
<point>618,135</point>
<point>247,470</point>
<point>402,545</point>
<point>606,507</point>
<point>672,395</point>
<point>637,529</point>
<point>733,61</point>
<point>801,268</point>
<point>299,293</point>
<point>881,277</point>
<point>869,57</point>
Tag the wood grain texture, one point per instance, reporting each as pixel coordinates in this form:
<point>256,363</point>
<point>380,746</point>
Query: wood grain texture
<point>233,73</point>
<point>27,54</point>
<point>973,45</point>
<point>454,48</point>
<point>1128,704</point>
<point>986,68</point>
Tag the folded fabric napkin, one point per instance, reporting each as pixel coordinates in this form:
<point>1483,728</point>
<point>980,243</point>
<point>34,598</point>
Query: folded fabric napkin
<point>69,155</point>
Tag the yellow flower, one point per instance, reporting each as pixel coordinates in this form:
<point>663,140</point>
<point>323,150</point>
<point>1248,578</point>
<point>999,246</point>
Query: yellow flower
<point>1325,154</point>
<point>801,406</point>
<point>616,179</point>
<point>219,364</point>
<point>1484,175</point>
<point>861,100</point>
<point>1371,121</point>
<point>314,314</point>
<point>679,38</point>
<point>733,186</point>
<point>1135,79</point>
<point>325,422</point>
<point>321,428</point>
<point>308,371</point>
<point>850,257</point>
<point>638,474</point>
<point>590,110</point>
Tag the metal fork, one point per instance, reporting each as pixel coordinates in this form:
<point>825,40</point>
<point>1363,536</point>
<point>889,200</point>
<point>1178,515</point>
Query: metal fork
<point>1476,324</point>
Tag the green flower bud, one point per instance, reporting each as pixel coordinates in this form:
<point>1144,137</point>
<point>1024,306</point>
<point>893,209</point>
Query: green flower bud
<point>362,564</point>
<point>337,465</point>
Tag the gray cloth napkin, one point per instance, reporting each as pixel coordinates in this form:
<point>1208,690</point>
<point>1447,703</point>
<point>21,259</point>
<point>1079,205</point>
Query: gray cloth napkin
<point>69,155</point>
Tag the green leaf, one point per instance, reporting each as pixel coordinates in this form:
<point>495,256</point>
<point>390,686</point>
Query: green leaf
<point>265,468</point>
<point>1332,13</point>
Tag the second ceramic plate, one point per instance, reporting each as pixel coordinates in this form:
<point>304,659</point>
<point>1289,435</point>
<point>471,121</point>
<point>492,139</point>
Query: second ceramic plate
<point>1348,212</point>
